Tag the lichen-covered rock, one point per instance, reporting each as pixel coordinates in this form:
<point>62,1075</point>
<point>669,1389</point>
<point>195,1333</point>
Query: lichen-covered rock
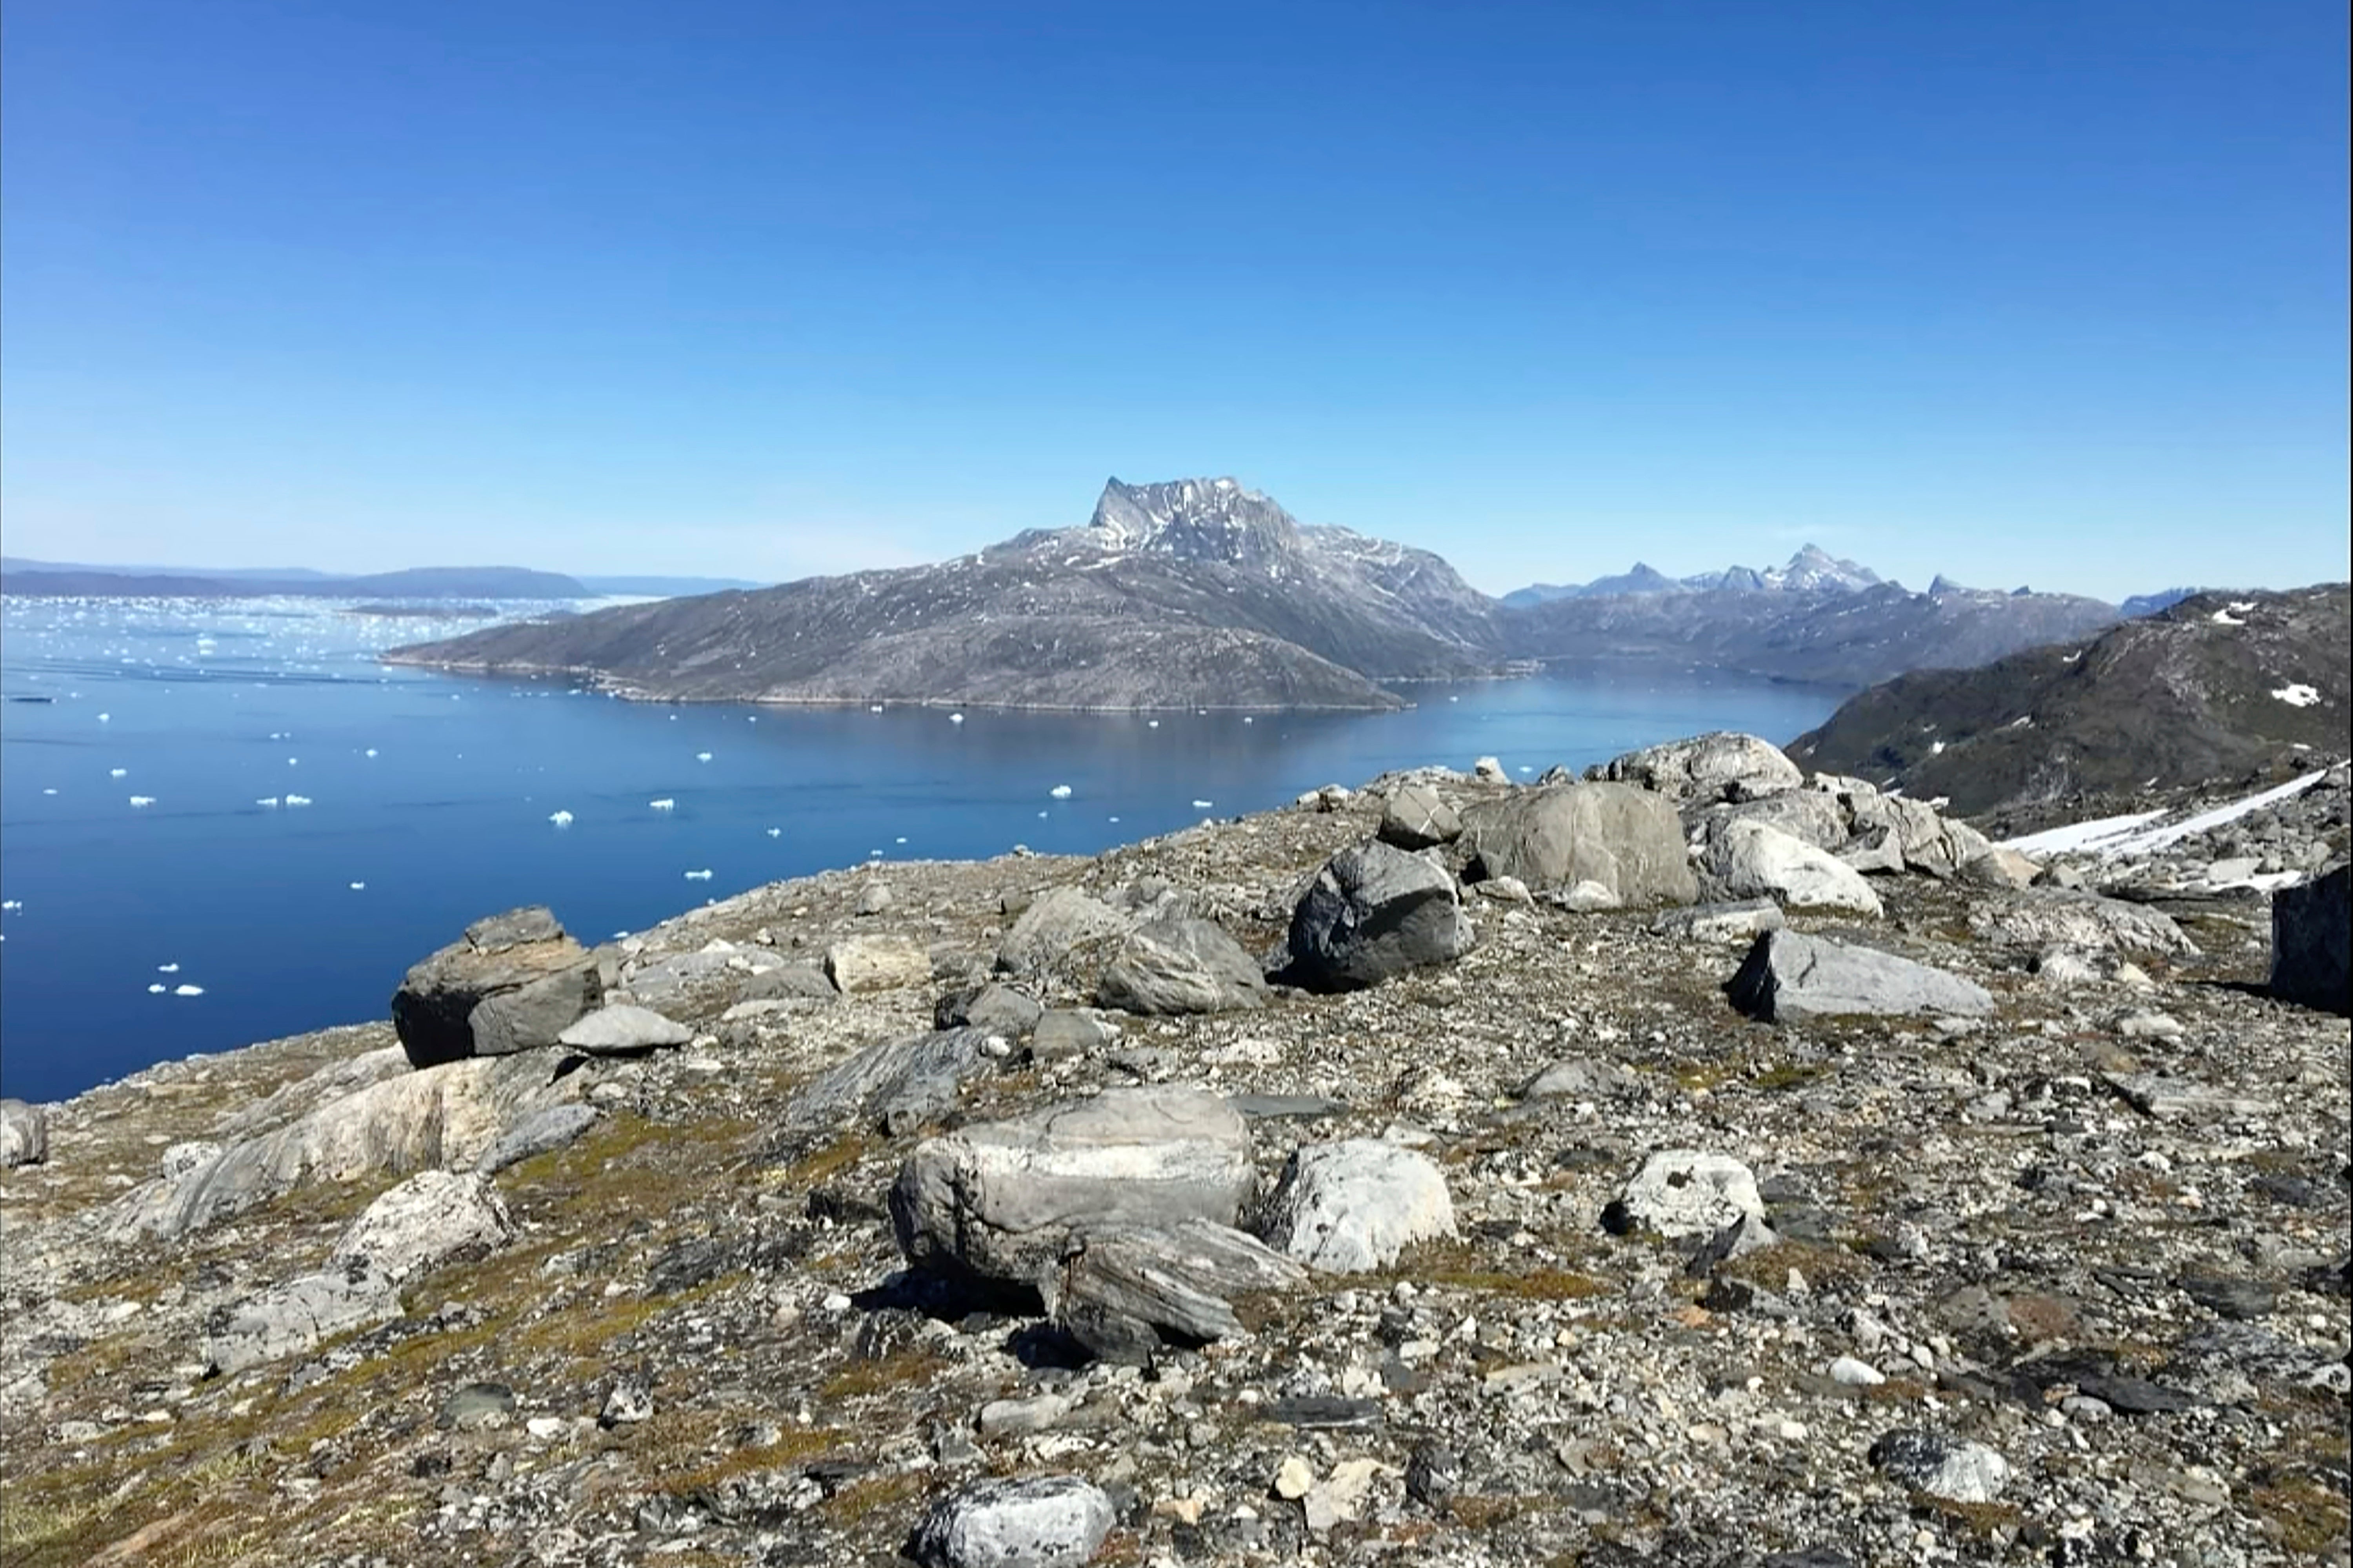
<point>1351,1207</point>
<point>1723,765</point>
<point>1417,817</point>
<point>1002,1199</point>
<point>432,1216</point>
<point>621,1028</point>
<point>1953,1469</point>
<point>512,983</point>
<point>2038,918</point>
<point>1553,837</point>
<point>1058,922</point>
<point>1686,1192</point>
<point>858,964</point>
<point>1178,964</point>
<point>1047,1522</point>
<point>1791,976</point>
<point>1751,859</point>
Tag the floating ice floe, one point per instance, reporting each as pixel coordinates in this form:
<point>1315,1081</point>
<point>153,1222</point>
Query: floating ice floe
<point>119,773</point>
<point>662,804</point>
<point>702,875</point>
<point>1203,805</point>
<point>876,709</point>
<point>359,886</point>
<point>1248,720</point>
<point>561,818</point>
<point>298,800</point>
<point>187,990</point>
<point>900,839</point>
<point>12,905</point>
<point>167,969</point>
<point>702,756</point>
<point>369,753</point>
<point>157,989</point>
<point>269,801</point>
<point>776,832</point>
<point>105,718</point>
<point>1041,813</point>
<point>143,800</point>
<point>1061,792</point>
<point>293,761</point>
<point>2296,694</point>
<point>1152,724</point>
<point>955,718</point>
<point>51,791</point>
<point>1115,819</point>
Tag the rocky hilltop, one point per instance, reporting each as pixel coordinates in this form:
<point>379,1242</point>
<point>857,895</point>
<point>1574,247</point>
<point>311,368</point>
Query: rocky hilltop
<point>2215,683</point>
<point>1699,1162</point>
<point>1205,594</point>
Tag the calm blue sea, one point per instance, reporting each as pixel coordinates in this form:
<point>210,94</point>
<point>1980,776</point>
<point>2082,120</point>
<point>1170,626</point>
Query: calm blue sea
<point>230,823</point>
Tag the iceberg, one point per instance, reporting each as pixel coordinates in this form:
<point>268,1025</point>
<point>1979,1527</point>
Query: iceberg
<point>561,818</point>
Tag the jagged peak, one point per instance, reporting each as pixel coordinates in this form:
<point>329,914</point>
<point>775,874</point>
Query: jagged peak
<point>1195,519</point>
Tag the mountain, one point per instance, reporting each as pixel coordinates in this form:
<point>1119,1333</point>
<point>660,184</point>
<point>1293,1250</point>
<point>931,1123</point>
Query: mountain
<point>2141,605</point>
<point>2218,683</point>
<point>1197,593</point>
<point>41,579</point>
<point>665,587</point>
<point>1202,592</point>
<point>1811,571</point>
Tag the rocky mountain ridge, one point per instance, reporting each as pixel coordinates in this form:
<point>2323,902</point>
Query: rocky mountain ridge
<point>1811,570</point>
<point>2214,684</point>
<point>1204,594</point>
<point>1903,1198</point>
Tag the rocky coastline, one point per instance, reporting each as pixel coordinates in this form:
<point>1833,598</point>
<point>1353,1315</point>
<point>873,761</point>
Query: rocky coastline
<point>1697,1163</point>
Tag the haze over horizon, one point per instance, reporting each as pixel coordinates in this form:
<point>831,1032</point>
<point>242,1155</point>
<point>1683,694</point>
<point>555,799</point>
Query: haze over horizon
<point>2020,294</point>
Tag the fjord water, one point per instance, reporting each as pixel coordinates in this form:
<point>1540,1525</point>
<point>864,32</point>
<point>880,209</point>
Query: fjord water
<point>429,801</point>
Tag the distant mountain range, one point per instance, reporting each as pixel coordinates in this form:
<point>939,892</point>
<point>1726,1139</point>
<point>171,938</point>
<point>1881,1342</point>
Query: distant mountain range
<point>1200,592</point>
<point>2215,683</point>
<point>1809,571</point>
<point>53,578</point>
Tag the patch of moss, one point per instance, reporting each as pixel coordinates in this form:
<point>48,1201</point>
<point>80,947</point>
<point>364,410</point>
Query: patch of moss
<point>895,1371</point>
<point>873,1494</point>
<point>2306,1516</point>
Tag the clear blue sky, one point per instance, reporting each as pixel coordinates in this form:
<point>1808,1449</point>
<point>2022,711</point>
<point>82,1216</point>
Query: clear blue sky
<point>2032,292</point>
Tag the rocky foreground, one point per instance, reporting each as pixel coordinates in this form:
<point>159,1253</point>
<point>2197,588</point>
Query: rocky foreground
<point>1701,1164</point>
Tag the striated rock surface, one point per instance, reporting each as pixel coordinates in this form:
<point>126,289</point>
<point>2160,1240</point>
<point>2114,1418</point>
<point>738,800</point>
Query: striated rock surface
<point>1627,840</point>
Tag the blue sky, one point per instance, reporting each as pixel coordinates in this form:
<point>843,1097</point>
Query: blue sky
<point>2043,293</point>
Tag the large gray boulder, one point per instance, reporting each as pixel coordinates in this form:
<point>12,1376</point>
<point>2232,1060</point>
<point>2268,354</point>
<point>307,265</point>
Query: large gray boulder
<point>1891,832</point>
<point>1686,1192</point>
<point>1004,1200</point>
<point>23,1133</point>
<point>1178,964</point>
<point>513,982</point>
<point>1051,1521</point>
<point>1352,1206</point>
<point>1804,814</point>
<point>445,1117</point>
<point>1753,860</point>
<point>856,963</point>
<point>2039,918</point>
<point>2310,944</point>
<point>622,1029</point>
<point>892,1084</point>
<point>1372,911</point>
<point>1722,765</point>
<point>1059,922</point>
<point>556,1127</point>
<point>1417,817</point>
<point>1553,837</point>
<point>1000,1009</point>
<point>1789,975</point>
<point>1124,1292</point>
<point>432,1216</point>
<point>287,1319</point>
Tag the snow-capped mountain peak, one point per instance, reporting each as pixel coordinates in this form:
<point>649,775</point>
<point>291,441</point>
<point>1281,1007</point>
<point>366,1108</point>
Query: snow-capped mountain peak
<point>1192,519</point>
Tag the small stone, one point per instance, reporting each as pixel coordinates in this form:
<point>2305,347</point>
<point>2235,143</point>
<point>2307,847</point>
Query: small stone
<point>629,1403</point>
<point>1856,1374</point>
<point>1293,1478</point>
<point>1950,1467</point>
<point>622,1028</point>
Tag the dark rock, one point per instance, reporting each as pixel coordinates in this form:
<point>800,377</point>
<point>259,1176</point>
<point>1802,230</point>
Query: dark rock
<point>1286,1107</point>
<point>2312,944</point>
<point>1373,912</point>
<point>1176,1280</point>
<point>512,983</point>
<point>1325,1413</point>
<point>1950,1467</point>
<point>2240,1299</point>
<point>1433,1474</point>
<point>999,1009</point>
<point>895,1084</point>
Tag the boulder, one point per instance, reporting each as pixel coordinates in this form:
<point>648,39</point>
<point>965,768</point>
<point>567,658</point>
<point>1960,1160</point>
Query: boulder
<point>445,1117</point>
<point>1952,1468</point>
<point>555,1127</point>
<point>1999,867</point>
<point>786,983</point>
<point>1554,836</point>
<point>1732,921</point>
<point>1890,832</point>
<point>1051,1521</point>
<point>874,899</point>
<point>1686,1192</point>
<point>2039,918</point>
<point>1789,975</point>
<point>2310,944</point>
<point>1491,770</point>
<point>432,1216</point>
<point>1805,814</point>
<point>1058,922</point>
<point>1177,963</point>
<point>23,1133</point>
<point>1416,818</point>
<point>290,1318</point>
<point>1372,911</point>
<point>858,964</point>
<point>1751,859</point>
<point>1003,1200</point>
<point>1352,1206</point>
<point>622,1028</point>
<point>892,1084</point>
<point>999,1009</point>
<point>1722,765</point>
<point>512,983</point>
<point>1064,1032</point>
<point>1127,1289</point>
